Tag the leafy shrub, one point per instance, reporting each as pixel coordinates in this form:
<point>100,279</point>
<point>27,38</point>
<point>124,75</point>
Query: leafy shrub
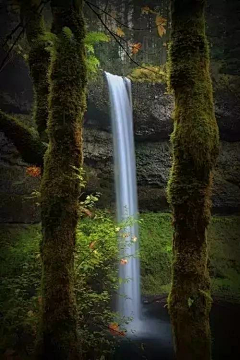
<point>92,38</point>
<point>96,278</point>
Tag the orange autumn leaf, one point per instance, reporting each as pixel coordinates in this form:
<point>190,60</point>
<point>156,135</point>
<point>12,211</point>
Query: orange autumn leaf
<point>33,171</point>
<point>92,244</point>
<point>135,48</point>
<point>123,261</point>
<point>145,10</point>
<point>121,333</point>
<point>87,212</point>
<point>161,22</point>
<point>161,30</point>
<point>120,32</point>
<point>114,329</point>
<point>113,326</point>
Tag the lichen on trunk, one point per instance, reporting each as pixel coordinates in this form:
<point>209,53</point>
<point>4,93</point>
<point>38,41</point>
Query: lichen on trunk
<point>195,148</point>
<point>60,188</point>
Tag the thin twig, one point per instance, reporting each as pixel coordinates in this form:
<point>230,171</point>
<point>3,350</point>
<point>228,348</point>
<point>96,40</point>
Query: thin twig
<point>42,3</point>
<point>106,6</point>
<point>119,22</point>
<point>11,48</point>
<point>132,46</point>
<point>116,39</point>
<point>9,36</point>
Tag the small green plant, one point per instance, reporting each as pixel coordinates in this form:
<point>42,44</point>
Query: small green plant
<point>92,38</point>
<point>96,281</point>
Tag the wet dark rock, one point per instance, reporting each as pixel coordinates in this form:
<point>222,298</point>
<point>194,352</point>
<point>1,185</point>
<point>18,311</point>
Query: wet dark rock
<point>153,166</point>
<point>153,125</point>
<point>153,108</point>
<point>17,204</point>
<point>227,110</point>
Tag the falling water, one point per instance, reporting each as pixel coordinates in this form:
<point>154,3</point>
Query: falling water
<point>128,303</point>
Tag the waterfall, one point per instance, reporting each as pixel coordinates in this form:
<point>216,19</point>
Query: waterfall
<point>128,303</point>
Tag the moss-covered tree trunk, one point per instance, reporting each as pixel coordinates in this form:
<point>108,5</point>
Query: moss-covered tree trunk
<point>195,148</point>
<point>60,185</point>
<point>28,142</point>
<point>38,60</point>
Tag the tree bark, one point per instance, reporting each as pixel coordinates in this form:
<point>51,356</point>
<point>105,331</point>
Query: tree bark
<point>195,147</point>
<point>26,141</point>
<point>60,186</point>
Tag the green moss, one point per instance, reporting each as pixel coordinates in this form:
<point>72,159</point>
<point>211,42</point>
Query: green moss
<point>38,60</point>
<point>60,188</point>
<point>195,142</point>
<point>26,140</point>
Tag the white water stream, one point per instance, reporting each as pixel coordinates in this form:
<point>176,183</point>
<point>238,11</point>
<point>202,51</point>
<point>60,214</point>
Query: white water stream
<point>128,303</point>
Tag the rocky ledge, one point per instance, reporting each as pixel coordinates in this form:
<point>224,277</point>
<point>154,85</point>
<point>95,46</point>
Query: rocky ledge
<point>152,108</point>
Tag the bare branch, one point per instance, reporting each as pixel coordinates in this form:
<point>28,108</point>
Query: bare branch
<point>106,6</point>
<point>9,36</point>
<point>119,22</point>
<point>26,140</point>
<point>116,39</point>
<point>40,8</point>
<point>132,45</point>
<point>10,50</point>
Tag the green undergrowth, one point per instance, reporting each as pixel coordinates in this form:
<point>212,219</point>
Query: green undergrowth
<point>96,278</point>
<point>224,254</point>
<point>20,271</point>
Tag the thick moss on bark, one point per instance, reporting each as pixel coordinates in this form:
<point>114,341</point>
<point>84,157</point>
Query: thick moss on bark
<point>60,190</point>
<point>26,141</point>
<point>38,60</point>
<point>195,148</point>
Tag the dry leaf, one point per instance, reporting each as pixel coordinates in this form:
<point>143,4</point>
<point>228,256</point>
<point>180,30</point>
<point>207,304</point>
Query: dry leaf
<point>161,22</point>
<point>136,47</point>
<point>120,32</point>
<point>123,261</point>
<point>92,244</point>
<point>161,30</point>
<point>145,10</point>
<point>33,171</point>
<point>114,329</point>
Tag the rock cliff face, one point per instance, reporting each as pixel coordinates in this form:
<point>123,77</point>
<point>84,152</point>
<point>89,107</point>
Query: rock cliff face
<point>153,108</point>
<point>152,127</point>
